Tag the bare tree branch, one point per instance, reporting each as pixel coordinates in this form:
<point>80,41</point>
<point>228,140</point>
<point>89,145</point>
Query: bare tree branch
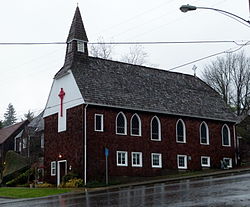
<point>230,77</point>
<point>101,50</point>
<point>136,55</point>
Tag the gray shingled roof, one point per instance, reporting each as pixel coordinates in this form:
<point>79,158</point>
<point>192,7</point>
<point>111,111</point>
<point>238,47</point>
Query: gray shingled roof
<point>37,123</point>
<point>116,84</point>
<point>8,131</point>
<point>124,85</point>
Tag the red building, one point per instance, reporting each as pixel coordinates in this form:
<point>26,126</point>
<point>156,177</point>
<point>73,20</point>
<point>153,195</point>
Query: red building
<point>150,120</point>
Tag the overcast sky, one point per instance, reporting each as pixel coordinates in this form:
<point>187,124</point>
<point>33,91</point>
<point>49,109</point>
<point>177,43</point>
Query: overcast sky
<point>27,71</point>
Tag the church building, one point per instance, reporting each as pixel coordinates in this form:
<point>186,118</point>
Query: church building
<point>144,121</point>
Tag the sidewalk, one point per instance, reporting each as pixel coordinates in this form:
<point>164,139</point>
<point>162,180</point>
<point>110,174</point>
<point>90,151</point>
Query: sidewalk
<point>163,180</point>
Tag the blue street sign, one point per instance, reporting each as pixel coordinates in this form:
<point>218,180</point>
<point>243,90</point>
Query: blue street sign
<point>106,152</point>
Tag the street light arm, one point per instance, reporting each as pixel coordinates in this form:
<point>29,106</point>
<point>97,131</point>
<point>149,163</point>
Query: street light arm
<point>225,12</point>
<point>186,8</point>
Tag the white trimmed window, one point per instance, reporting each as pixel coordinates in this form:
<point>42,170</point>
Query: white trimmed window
<point>180,131</point>
<point>156,160</point>
<point>53,168</point>
<point>121,124</point>
<point>182,161</point>
<point>136,159</point>
<point>155,129</point>
<point>42,141</point>
<point>226,136</point>
<point>205,161</point>
<point>228,162</point>
<point>135,124</point>
<point>25,142</point>
<point>99,122</point>
<point>204,134</point>
<point>80,46</point>
<point>122,158</point>
<point>20,145</point>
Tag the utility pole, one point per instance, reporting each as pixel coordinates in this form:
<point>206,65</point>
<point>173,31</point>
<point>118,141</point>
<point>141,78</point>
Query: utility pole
<point>106,159</point>
<point>249,6</point>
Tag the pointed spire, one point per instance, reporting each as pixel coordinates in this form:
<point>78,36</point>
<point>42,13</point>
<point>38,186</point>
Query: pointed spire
<point>77,31</point>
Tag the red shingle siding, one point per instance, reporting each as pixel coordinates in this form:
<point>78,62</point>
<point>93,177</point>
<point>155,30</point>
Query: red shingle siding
<point>167,146</point>
<point>70,143</point>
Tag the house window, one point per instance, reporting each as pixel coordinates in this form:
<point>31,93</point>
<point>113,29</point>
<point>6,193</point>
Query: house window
<point>99,122</point>
<point>42,141</point>
<point>121,124</point>
<point>20,146</point>
<point>226,136</point>
<point>182,161</point>
<point>135,125</point>
<point>228,162</point>
<point>80,46</point>
<point>70,47</point>
<point>155,129</point>
<point>205,161</point>
<point>156,160</point>
<point>136,159</point>
<point>53,168</point>
<point>204,133</point>
<point>25,142</point>
<point>122,158</point>
<point>180,131</point>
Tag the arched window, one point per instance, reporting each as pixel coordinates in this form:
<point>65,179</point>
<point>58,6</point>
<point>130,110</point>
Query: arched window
<point>225,136</point>
<point>155,129</point>
<point>121,124</point>
<point>180,131</point>
<point>135,124</point>
<point>204,133</point>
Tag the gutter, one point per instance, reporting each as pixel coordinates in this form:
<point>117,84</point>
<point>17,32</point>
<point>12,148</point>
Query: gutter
<point>162,112</point>
<point>85,144</point>
<point>236,146</point>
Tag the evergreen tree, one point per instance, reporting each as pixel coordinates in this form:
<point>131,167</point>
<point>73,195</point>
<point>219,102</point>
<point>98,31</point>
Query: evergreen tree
<point>1,124</point>
<point>29,115</point>
<point>10,116</point>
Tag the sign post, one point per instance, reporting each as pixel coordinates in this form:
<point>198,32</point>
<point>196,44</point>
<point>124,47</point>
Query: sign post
<point>106,156</point>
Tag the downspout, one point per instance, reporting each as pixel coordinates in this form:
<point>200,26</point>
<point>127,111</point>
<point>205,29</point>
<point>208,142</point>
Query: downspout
<point>235,145</point>
<point>85,144</point>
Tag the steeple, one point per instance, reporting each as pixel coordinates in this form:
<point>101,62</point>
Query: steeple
<point>77,40</point>
<point>77,31</point>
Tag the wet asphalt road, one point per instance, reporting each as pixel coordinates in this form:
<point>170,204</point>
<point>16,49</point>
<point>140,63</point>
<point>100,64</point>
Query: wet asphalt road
<point>233,190</point>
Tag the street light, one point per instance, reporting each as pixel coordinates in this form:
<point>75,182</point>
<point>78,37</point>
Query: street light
<point>186,8</point>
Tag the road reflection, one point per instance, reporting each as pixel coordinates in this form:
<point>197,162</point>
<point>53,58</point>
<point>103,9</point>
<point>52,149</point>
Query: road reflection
<point>232,190</point>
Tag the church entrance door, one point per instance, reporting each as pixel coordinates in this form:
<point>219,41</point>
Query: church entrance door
<point>61,170</point>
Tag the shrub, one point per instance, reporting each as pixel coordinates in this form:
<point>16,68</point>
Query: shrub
<point>74,183</point>
<point>21,179</point>
<point>69,176</point>
<point>45,185</point>
<point>26,185</point>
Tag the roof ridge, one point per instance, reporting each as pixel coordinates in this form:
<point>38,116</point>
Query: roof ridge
<point>143,66</point>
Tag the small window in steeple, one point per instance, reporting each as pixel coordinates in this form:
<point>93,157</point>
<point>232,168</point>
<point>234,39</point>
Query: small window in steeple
<point>70,47</point>
<point>80,46</point>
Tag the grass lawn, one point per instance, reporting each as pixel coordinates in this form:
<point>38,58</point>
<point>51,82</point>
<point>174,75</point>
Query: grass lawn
<point>30,192</point>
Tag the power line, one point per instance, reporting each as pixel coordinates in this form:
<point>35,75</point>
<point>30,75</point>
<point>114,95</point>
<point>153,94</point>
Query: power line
<point>216,54</point>
<point>171,42</point>
<point>138,15</point>
<point>32,43</point>
<point>131,43</point>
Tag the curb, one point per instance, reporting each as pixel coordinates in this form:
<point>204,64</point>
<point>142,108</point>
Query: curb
<point>168,180</point>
